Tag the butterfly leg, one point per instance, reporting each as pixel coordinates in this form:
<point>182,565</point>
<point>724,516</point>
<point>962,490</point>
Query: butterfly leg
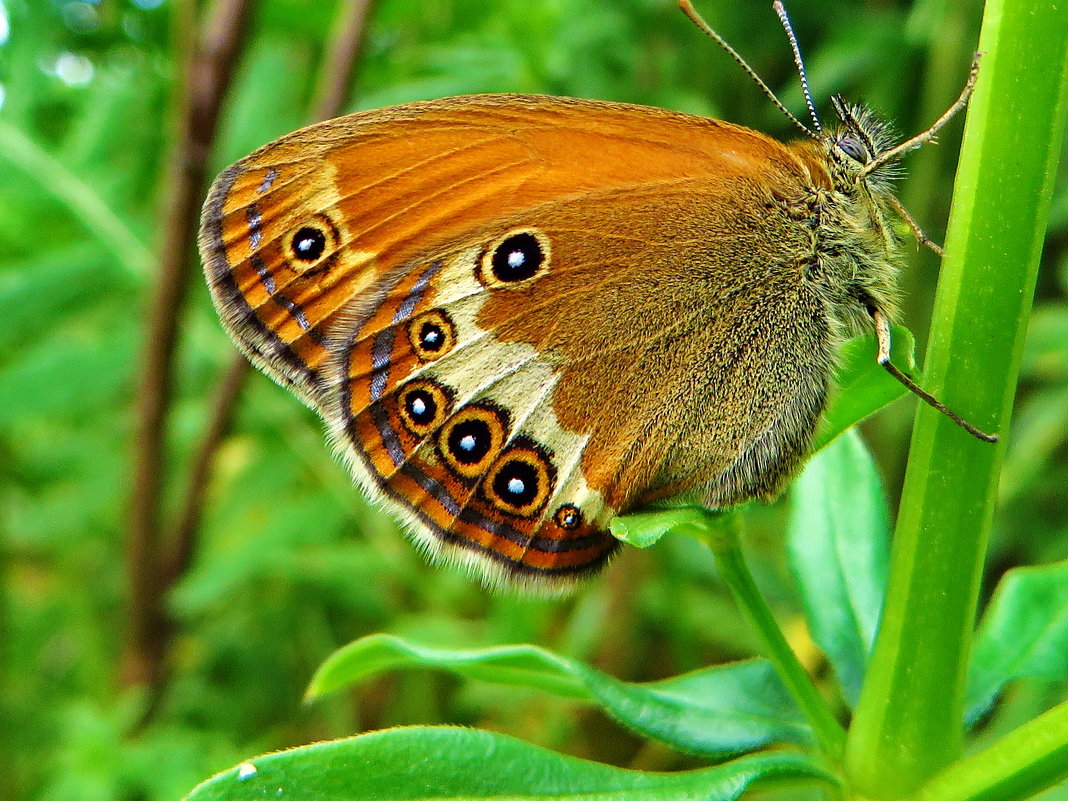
<point>917,232</point>
<point>924,137</point>
<point>882,332</point>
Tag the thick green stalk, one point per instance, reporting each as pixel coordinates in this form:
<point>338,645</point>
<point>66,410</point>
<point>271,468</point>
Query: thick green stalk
<point>908,722</point>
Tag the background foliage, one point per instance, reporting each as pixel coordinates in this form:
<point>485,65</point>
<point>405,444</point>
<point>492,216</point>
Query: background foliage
<point>292,562</point>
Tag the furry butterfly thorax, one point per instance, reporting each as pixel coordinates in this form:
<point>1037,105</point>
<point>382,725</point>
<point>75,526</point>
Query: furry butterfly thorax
<point>520,316</point>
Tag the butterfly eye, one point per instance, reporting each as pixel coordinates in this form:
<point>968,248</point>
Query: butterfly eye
<point>471,439</point>
<point>514,258</point>
<point>432,335</point>
<point>853,148</point>
<point>520,481</point>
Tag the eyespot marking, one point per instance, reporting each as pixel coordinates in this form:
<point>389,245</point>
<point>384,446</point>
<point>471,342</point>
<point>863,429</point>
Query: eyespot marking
<point>311,244</point>
<point>308,244</point>
<point>514,259</point>
<point>520,482</point>
<point>568,517</point>
<point>432,335</point>
<point>424,406</point>
<point>471,439</point>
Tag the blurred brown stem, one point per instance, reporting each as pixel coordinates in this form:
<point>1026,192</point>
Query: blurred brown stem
<point>220,416</point>
<point>157,562</point>
<point>207,75</point>
<point>339,61</point>
<point>337,69</point>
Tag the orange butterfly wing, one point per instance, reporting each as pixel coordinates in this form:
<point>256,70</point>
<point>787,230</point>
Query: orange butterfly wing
<point>329,250</point>
<point>404,181</point>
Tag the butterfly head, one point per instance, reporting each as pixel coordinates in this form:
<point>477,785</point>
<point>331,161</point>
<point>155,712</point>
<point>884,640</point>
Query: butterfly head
<point>859,140</point>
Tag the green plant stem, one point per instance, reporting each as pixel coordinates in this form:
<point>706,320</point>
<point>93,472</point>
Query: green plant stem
<point>908,723</point>
<point>720,533</point>
<point>1024,762</point>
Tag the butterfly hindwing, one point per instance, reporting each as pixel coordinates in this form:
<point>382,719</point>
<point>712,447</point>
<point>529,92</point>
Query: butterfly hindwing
<point>456,427</point>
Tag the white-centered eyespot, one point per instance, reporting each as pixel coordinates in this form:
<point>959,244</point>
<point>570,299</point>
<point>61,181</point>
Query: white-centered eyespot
<point>515,259</point>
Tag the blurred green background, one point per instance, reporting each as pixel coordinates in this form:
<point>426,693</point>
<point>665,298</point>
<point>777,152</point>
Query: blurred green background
<point>291,562</point>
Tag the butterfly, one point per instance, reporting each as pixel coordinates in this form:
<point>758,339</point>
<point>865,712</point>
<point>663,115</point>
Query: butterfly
<point>520,316</point>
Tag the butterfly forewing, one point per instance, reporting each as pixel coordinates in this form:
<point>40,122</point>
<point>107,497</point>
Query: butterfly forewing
<point>520,316</point>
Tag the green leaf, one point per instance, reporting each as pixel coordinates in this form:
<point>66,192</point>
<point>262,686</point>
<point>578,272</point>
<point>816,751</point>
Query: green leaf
<point>449,763</point>
<point>67,378</point>
<point>62,283</point>
<point>1038,434</point>
<point>862,387</point>
<point>1040,422</point>
<point>1045,354</point>
<point>838,549</point>
<point>1023,633</point>
<point>643,529</point>
<point>718,711</point>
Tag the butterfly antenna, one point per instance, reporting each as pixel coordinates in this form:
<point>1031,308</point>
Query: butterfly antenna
<point>780,9</point>
<point>706,29</point>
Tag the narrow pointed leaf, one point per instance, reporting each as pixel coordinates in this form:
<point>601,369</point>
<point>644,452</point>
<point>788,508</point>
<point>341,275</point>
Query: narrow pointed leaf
<point>716,712</point>
<point>838,551</point>
<point>1023,633</point>
<point>427,763</point>
<point>643,529</point>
